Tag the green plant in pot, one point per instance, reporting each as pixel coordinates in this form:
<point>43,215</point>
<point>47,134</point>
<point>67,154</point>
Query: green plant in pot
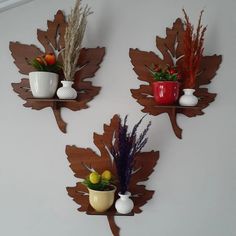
<point>47,62</point>
<point>165,86</point>
<point>44,81</point>
<point>101,190</point>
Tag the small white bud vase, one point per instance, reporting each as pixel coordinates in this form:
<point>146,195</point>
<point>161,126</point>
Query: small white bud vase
<point>43,84</point>
<point>188,99</point>
<point>124,204</point>
<point>66,91</point>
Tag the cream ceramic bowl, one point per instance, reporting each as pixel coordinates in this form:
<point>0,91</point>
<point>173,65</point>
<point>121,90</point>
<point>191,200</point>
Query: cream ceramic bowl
<point>101,200</point>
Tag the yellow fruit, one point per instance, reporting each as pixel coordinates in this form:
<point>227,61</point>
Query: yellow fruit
<point>106,175</point>
<point>94,178</point>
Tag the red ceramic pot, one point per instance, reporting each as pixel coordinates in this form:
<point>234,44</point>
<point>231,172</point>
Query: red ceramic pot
<point>166,92</point>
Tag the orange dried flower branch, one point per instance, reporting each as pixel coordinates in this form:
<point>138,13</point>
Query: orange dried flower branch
<point>193,50</point>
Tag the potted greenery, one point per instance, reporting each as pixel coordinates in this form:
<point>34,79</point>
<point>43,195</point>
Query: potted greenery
<point>124,148</point>
<point>166,85</point>
<point>101,191</point>
<point>44,81</point>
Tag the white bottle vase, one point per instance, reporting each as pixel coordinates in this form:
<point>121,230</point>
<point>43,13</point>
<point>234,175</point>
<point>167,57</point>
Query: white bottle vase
<point>188,99</point>
<point>124,204</point>
<point>43,84</point>
<point>66,91</point>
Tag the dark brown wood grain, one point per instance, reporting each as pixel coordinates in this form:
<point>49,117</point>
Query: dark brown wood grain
<point>113,226</point>
<point>171,48</point>
<point>83,160</point>
<point>52,40</point>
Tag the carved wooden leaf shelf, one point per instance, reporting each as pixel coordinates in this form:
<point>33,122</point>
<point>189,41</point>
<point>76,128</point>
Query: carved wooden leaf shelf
<point>171,49</point>
<point>112,211</point>
<point>83,160</point>
<point>52,41</point>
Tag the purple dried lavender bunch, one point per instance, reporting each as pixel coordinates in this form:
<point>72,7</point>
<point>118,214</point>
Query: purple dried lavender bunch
<point>124,148</point>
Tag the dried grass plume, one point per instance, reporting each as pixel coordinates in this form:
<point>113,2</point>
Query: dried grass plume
<point>193,50</point>
<point>74,33</point>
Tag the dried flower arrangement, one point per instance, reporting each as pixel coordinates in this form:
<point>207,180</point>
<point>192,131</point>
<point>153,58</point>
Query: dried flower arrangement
<point>169,73</point>
<point>74,34</point>
<point>193,50</point>
<point>124,148</point>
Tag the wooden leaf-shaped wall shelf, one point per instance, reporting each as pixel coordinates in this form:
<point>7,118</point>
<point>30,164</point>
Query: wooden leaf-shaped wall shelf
<point>52,41</point>
<point>171,48</point>
<point>83,160</point>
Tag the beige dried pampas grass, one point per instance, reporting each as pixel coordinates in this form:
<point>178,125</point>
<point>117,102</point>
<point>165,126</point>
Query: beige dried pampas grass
<point>74,33</point>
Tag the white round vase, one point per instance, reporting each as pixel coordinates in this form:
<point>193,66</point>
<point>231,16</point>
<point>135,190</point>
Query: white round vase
<point>43,84</point>
<point>66,91</point>
<point>188,99</point>
<point>124,204</point>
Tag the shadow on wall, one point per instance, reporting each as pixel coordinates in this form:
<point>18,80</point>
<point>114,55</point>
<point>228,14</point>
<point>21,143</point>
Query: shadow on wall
<point>8,4</point>
<point>102,27</point>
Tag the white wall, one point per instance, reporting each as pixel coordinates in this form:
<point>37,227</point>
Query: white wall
<point>195,180</point>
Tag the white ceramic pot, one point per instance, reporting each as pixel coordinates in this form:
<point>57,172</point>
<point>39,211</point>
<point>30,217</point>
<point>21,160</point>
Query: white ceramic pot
<point>124,204</point>
<point>66,91</point>
<point>43,84</point>
<point>188,99</point>
<point>101,201</point>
